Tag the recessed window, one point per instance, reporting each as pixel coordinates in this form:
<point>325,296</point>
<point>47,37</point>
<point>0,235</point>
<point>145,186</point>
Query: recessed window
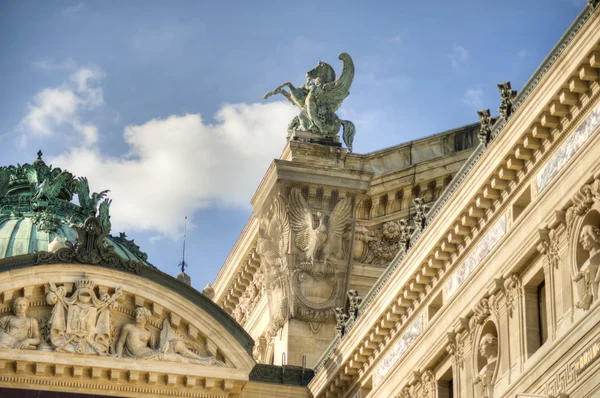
<point>446,385</point>
<point>542,319</point>
<point>435,306</point>
<point>536,324</point>
<point>521,203</point>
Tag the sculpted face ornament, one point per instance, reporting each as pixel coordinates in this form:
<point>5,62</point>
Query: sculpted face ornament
<point>19,331</point>
<point>484,382</point>
<point>590,239</point>
<point>488,348</point>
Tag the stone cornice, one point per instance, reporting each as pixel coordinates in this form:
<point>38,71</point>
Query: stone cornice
<point>235,260</point>
<point>288,375</point>
<point>69,372</point>
<point>463,218</point>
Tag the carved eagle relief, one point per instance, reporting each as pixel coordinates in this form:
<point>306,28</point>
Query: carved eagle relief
<point>324,241</point>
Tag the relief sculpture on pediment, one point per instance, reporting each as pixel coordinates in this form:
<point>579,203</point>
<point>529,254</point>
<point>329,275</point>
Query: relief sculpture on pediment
<point>136,341</point>
<point>81,323</point>
<point>19,331</point>
<point>88,320</point>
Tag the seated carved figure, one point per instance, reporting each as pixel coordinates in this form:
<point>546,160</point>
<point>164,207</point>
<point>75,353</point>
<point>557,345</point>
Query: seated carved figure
<point>138,342</point>
<point>18,331</point>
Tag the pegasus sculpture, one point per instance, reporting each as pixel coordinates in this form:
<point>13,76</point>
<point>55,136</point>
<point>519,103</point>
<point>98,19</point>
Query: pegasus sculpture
<point>319,98</point>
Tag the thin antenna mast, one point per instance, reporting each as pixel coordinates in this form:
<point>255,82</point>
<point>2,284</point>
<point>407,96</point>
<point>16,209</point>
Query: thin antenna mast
<point>183,264</point>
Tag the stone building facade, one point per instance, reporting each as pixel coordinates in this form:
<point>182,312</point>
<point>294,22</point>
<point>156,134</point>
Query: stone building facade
<point>464,264</point>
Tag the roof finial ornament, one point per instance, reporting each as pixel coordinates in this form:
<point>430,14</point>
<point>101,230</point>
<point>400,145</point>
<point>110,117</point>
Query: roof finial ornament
<point>507,95</point>
<point>185,278</point>
<point>485,129</point>
<point>39,154</point>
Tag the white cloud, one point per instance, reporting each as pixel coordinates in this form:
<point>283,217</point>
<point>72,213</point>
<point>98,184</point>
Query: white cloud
<point>522,53</point>
<point>73,10</point>
<point>51,65</point>
<point>180,164</point>
<point>474,97</point>
<point>458,56</point>
<point>55,108</point>
<point>396,39</point>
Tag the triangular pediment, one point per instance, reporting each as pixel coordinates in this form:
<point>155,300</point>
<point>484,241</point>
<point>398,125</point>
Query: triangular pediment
<point>101,327</point>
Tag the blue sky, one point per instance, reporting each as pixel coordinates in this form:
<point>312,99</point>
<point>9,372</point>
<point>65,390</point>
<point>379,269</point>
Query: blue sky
<point>161,102</point>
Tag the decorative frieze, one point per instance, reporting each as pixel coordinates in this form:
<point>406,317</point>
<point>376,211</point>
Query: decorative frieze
<point>568,148</point>
<point>483,247</point>
<point>396,351</point>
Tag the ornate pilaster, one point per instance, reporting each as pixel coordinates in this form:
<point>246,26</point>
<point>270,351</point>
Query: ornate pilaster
<point>549,247</point>
<point>514,292</point>
<point>429,384</point>
<point>455,348</point>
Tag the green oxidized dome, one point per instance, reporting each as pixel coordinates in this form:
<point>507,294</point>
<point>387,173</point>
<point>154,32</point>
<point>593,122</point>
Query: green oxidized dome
<point>36,207</point>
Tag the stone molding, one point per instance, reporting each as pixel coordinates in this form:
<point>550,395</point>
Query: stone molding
<point>490,195</point>
<point>288,375</point>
